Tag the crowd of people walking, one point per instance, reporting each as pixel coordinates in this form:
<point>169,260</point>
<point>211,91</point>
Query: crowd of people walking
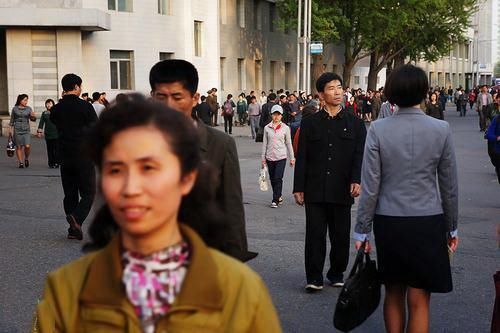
<point>151,251</point>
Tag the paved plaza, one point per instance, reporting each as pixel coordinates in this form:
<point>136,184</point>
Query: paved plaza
<point>33,240</point>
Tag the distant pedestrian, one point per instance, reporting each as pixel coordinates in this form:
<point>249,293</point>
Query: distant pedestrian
<point>493,137</point>
<point>387,110</point>
<point>228,113</point>
<point>20,129</point>
<point>49,131</point>
<point>433,108</point>
<point>483,104</point>
<point>73,118</point>
<point>214,105</point>
<point>265,117</point>
<point>103,100</point>
<point>409,194</point>
<point>254,111</point>
<point>241,109</point>
<point>352,107</point>
<point>307,111</point>
<point>98,103</point>
<point>287,110</point>
<point>376,104</point>
<point>462,103</point>
<point>472,99</point>
<point>263,98</point>
<point>327,179</point>
<point>203,111</point>
<point>277,143</point>
<point>295,113</point>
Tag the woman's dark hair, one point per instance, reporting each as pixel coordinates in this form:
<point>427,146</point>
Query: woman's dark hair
<point>20,98</point>
<point>50,100</point>
<point>198,209</point>
<point>406,86</point>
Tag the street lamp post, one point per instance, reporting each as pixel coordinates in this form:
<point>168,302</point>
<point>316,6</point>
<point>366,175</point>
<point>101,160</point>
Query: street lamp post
<point>299,41</point>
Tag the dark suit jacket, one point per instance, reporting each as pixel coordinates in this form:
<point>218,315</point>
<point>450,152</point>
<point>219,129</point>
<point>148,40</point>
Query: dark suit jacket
<point>219,149</point>
<point>203,112</point>
<point>329,157</point>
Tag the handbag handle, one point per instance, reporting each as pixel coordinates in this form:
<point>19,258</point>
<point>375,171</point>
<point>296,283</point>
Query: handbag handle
<point>359,259</point>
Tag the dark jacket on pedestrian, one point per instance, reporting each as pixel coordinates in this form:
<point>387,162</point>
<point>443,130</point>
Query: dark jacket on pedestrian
<point>73,118</point>
<point>49,129</point>
<point>493,133</point>
<point>203,112</point>
<point>219,149</point>
<point>287,110</point>
<point>329,157</point>
<point>212,103</point>
<point>265,117</point>
<point>434,110</point>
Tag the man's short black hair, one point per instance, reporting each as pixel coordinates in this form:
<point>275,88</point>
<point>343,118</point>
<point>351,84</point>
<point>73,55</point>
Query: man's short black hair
<point>253,98</point>
<point>85,95</point>
<point>174,70</point>
<point>325,78</point>
<point>69,81</point>
<point>96,95</point>
<point>272,96</point>
<point>406,86</point>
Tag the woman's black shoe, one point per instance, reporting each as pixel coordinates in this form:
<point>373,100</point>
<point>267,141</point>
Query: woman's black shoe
<point>27,163</point>
<point>21,166</point>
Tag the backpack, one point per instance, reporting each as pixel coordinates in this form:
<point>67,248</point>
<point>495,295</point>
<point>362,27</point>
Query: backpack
<point>228,108</point>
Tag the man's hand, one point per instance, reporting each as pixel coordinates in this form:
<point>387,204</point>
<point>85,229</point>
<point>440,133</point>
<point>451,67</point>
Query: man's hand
<point>355,189</point>
<point>263,164</point>
<point>299,198</point>
<point>368,247</point>
<point>453,244</point>
<point>292,163</point>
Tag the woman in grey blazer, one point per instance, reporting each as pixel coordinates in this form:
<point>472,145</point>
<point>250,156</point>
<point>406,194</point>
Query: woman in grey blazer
<point>409,194</point>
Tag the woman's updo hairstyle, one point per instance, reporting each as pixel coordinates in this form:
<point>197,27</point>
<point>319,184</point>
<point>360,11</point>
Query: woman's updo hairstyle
<point>198,208</point>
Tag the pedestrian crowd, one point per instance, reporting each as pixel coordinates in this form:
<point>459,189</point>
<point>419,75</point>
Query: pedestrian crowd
<point>172,207</point>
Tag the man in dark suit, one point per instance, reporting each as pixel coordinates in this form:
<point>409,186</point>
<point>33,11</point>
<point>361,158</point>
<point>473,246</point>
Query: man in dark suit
<point>73,117</point>
<point>327,178</point>
<point>203,111</point>
<point>175,83</point>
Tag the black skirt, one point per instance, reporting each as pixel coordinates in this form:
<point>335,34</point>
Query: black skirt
<point>413,251</point>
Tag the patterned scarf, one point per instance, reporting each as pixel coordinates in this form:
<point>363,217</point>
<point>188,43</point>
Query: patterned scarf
<point>152,282</point>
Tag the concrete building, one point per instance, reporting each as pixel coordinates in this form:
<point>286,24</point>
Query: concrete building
<point>111,44</point>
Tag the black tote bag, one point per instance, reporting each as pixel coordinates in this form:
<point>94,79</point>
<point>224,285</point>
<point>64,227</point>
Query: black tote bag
<point>360,296</point>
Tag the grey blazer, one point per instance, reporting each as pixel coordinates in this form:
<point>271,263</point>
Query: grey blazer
<point>409,169</point>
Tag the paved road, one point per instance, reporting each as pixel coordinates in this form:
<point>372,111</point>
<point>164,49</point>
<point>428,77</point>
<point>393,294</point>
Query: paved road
<point>33,241</point>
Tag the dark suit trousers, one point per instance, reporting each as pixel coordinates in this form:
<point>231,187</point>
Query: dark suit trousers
<point>319,218</point>
<point>52,151</point>
<point>79,186</point>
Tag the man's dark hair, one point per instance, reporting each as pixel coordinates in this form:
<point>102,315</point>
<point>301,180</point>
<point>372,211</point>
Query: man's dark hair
<point>272,96</point>
<point>325,78</point>
<point>96,95</point>
<point>229,96</point>
<point>69,81</point>
<point>253,98</point>
<point>85,95</point>
<point>406,86</point>
<point>174,70</point>
<point>203,98</point>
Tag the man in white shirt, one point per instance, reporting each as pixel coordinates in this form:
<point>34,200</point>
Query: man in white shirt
<point>97,104</point>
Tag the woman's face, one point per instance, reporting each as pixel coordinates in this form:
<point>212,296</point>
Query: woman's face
<point>141,181</point>
<point>49,105</point>
<point>24,101</point>
<point>433,97</point>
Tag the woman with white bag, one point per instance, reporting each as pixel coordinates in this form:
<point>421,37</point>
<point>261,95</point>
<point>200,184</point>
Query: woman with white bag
<point>277,142</point>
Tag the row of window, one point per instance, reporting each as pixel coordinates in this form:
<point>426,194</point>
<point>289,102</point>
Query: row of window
<point>164,6</point>
<point>257,12</point>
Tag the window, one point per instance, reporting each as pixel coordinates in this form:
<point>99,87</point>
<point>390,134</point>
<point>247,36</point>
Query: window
<point>197,38</point>
<point>241,75</point>
<point>288,68</point>
<point>120,5</point>
<point>466,56</point>
<point>356,79</point>
<point>272,77</point>
<point>121,69</point>
<point>240,13</point>
<point>257,18</point>
<point>164,7</point>
<point>222,65</point>
<point>166,55</point>
<point>272,16</point>
<point>258,74</point>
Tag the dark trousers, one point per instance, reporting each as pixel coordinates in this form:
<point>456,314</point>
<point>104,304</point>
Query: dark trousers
<point>276,171</point>
<point>228,121</point>
<point>214,117</point>
<point>79,186</point>
<point>319,218</point>
<point>483,114</point>
<point>463,110</point>
<point>52,152</point>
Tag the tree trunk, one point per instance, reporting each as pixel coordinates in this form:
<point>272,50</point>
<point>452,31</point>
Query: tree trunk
<point>316,72</point>
<point>373,72</point>
<point>399,60</point>
<point>388,69</point>
<point>346,73</point>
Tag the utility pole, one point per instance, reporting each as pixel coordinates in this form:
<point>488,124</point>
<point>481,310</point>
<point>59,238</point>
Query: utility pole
<point>308,41</point>
<point>306,45</point>
<point>299,41</point>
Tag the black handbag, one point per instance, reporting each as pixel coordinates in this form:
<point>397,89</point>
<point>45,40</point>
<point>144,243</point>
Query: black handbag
<point>360,296</point>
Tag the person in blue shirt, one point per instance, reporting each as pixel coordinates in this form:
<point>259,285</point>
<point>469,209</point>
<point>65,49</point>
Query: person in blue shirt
<point>493,137</point>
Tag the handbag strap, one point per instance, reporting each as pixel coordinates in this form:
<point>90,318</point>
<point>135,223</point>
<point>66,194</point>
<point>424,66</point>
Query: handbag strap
<point>359,259</point>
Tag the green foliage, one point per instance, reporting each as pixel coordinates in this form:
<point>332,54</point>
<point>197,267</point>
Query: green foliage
<point>497,69</point>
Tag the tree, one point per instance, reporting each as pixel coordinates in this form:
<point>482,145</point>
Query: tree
<point>497,69</point>
<point>419,29</point>
<point>334,21</point>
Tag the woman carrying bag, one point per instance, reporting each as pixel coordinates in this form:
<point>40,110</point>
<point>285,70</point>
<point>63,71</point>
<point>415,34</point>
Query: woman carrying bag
<point>20,129</point>
<point>409,194</point>
<point>152,272</point>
